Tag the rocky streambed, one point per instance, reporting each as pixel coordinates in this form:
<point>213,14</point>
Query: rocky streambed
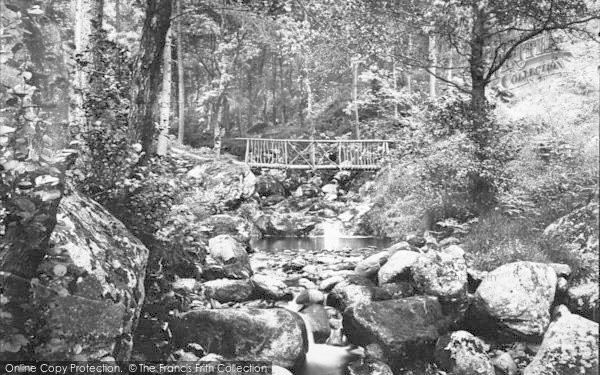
<point>406,309</point>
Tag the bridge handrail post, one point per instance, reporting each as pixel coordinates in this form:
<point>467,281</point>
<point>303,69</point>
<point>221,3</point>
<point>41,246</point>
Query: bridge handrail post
<point>247,154</point>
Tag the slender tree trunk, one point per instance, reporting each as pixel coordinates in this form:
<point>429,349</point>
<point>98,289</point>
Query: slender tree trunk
<point>355,99</point>
<point>281,92</point>
<point>408,74</point>
<point>274,88</point>
<point>165,99</point>
<point>250,113</point>
<point>180,78</point>
<point>433,58</point>
<point>147,75</point>
<point>118,15</point>
<point>395,78</point>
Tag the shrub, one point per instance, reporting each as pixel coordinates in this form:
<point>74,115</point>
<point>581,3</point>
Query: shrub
<point>497,239</point>
<point>442,168</point>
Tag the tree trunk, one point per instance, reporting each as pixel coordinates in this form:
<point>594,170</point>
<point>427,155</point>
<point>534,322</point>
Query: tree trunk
<point>180,77</point>
<point>147,78</point>
<point>118,15</point>
<point>477,68</point>
<point>408,75</point>
<point>395,78</point>
<point>274,88</point>
<point>355,99</point>
<point>281,92</point>
<point>432,68</point>
<point>88,17</point>
<point>482,188</point>
<point>165,99</point>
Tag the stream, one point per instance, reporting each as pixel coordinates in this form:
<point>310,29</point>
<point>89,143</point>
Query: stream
<point>320,257</point>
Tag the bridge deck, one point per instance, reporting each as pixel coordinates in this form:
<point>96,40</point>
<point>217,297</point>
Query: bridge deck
<point>315,154</point>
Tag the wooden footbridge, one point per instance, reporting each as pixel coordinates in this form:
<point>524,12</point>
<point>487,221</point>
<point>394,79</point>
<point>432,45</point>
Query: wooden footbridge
<point>315,154</point>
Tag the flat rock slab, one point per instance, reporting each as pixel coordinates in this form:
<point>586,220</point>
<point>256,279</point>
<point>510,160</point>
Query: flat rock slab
<point>273,335</point>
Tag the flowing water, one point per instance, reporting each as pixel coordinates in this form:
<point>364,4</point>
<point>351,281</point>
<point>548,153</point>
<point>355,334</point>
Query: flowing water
<point>323,359</point>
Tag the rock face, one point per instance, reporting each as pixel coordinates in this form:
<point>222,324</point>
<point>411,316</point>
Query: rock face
<point>273,335</point>
<point>397,266</point>
<point>518,296</point>
<point>462,353</point>
<point>231,255</point>
<point>570,346</point>
<point>90,287</point>
<point>405,329</point>
<point>223,183</point>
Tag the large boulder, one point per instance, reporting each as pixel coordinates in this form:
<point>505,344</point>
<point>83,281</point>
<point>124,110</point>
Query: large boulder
<point>570,346</point>
<point>222,183</point>
<point>286,224</point>
<point>397,267</point>
<point>271,288</point>
<point>370,266</point>
<point>575,237</point>
<point>462,353</point>
<point>227,290</point>
<point>272,335</point>
<point>582,298</point>
<point>88,292</point>
<point>405,329</point>
<point>231,258</point>
<point>576,232</point>
<point>441,274</point>
<point>514,300</point>
<point>354,290</point>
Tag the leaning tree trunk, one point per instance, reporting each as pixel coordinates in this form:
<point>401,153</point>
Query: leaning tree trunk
<point>147,79</point>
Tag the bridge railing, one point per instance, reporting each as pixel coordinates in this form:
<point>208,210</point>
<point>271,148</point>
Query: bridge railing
<point>315,154</point>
